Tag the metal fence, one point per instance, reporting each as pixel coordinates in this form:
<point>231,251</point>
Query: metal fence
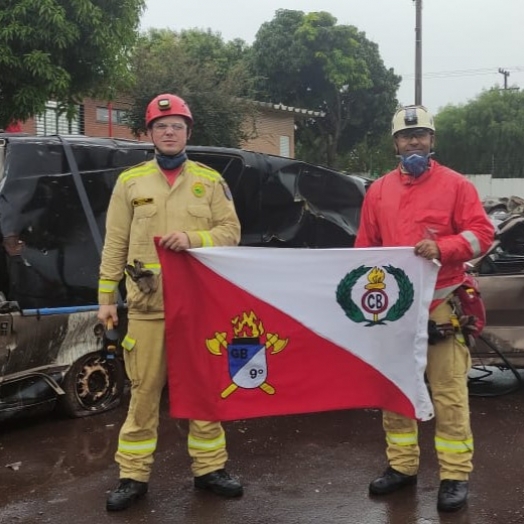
<point>497,187</point>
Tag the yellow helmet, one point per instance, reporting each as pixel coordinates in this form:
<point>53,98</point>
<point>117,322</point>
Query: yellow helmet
<point>411,117</point>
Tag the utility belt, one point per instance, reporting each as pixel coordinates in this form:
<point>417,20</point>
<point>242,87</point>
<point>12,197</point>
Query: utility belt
<point>468,316</point>
<point>461,326</point>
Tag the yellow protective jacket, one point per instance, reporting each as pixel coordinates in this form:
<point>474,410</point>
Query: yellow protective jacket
<point>143,205</point>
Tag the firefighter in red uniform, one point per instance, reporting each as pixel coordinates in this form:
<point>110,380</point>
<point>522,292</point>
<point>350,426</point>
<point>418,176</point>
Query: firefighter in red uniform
<point>188,205</point>
<point>435,209</point>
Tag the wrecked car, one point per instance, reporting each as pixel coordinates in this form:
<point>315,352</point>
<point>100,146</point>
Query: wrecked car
<point>501,278</point>
<point>54,193</point>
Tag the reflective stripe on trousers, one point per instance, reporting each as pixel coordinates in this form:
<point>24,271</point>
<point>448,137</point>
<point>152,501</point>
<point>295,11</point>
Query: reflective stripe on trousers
<point>402,439</point>
<point>138,447</point>
<point>453,446</point>
<point>200,444</point>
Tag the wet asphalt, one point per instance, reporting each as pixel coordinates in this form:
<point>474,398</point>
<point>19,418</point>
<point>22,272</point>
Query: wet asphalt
<point>308,469</point>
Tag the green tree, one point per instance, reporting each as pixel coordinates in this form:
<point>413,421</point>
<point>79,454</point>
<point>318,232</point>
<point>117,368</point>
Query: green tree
<point>205,71</point>
<point>208,48</point>
<point>62,50</point>
<point>371,156</point>
<point>309,61</point>
<point>485,135</point>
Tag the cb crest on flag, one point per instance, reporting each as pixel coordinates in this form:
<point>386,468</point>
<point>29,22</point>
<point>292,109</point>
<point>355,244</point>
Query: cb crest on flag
<point>375,308</point>
<point>247,353</point>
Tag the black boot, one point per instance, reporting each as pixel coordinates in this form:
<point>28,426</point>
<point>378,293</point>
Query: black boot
<point>127,492</point>
<point>391,480</point>
<point>221,483</point>
<point>452,495</point>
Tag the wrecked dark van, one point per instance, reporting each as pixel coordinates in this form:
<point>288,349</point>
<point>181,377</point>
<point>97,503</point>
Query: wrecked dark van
<point>54,193</point>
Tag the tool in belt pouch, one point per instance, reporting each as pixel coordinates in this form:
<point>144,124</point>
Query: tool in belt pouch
<point>144,278</point>
<point>468,318</point>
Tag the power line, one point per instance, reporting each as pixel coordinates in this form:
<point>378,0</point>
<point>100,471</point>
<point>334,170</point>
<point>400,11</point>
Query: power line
<point>467,72</point>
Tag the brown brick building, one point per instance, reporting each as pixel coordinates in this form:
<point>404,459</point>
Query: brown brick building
<point>271,129</point>
<point>94,118</point>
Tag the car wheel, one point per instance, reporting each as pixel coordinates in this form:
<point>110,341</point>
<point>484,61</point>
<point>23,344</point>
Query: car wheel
<point>92,385</point>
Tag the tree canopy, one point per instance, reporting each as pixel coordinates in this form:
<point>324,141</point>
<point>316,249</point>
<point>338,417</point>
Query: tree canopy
<point>66,50</point>
<point>307,60</point>
<point>205,71</point>
<point>62,50</point>
<point>485,135</point>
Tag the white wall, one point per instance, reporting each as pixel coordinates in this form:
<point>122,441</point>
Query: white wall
<point>497,187</point>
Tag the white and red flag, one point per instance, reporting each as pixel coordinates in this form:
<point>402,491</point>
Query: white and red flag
<point>254,332</point>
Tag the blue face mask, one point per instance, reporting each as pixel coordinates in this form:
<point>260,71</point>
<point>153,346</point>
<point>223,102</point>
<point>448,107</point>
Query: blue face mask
<point>171,161</point>
<point>415,164</point>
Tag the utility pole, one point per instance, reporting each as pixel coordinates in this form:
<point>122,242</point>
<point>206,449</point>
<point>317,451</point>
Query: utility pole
<point>504,72</point>
<point>418,53</point>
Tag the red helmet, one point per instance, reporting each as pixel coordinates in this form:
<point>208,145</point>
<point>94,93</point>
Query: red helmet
<point>167,105</point>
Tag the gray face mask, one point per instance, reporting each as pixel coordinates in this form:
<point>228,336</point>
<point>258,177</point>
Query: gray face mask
<point>171,161</point>
<point>415,164</point>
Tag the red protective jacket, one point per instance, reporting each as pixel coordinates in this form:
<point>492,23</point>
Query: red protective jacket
<point>442,205</point>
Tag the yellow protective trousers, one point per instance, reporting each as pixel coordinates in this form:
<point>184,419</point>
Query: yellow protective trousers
<point>145,362</point>
<point>448,364</point>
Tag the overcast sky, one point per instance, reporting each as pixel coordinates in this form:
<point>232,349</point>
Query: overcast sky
<point>464,42</point>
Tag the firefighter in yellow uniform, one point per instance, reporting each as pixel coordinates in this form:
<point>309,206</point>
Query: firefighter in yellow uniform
<point>187,205</point>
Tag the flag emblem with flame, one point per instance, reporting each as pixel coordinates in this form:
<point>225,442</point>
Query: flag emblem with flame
<point>247,353</point>
<point>375,300</point>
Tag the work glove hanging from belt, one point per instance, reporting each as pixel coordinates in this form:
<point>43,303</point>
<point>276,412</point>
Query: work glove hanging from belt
<point>144,278</point>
